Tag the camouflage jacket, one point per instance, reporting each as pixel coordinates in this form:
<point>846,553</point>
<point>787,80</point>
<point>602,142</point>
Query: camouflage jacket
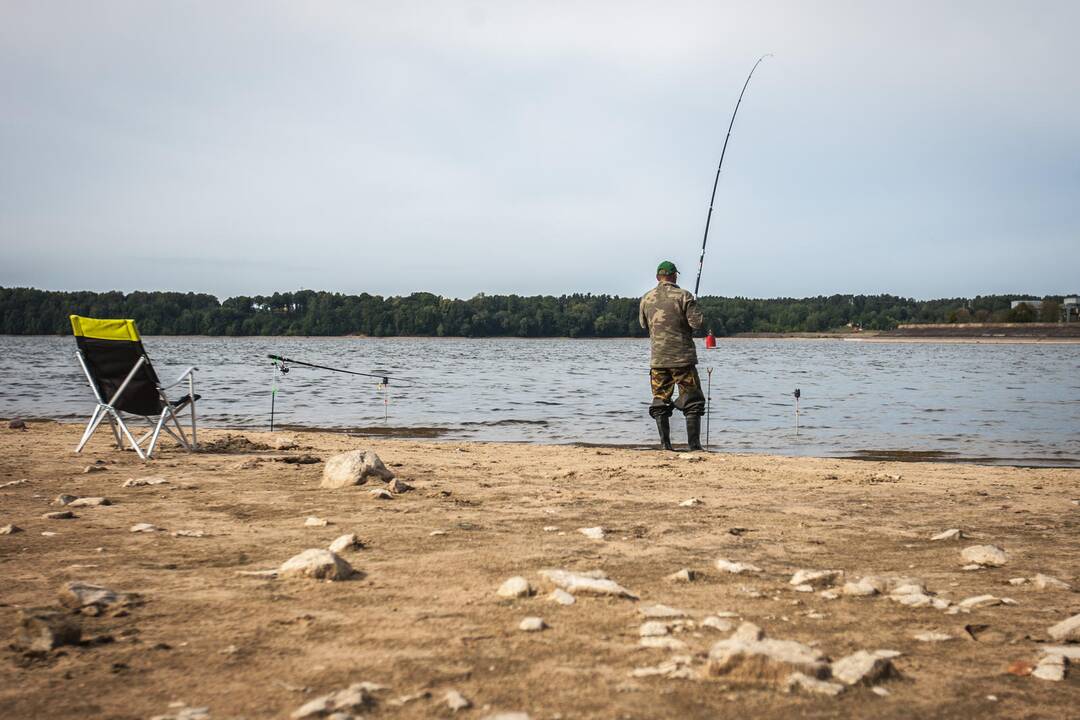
<point>671,315</point>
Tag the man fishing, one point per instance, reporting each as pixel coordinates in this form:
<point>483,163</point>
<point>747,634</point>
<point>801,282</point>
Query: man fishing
<point>671,315</point>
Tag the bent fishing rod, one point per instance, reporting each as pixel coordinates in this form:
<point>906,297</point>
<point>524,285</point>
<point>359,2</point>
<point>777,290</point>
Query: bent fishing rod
<point>723,151</point>
<point>285,362</point>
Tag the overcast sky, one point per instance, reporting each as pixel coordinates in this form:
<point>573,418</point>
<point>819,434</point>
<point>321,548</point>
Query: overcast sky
<point>924,149</point>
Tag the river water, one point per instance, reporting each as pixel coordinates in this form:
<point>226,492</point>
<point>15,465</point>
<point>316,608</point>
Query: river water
<point>996,403</point>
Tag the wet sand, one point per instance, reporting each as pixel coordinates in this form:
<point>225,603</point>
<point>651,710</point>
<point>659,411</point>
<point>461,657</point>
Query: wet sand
<point>424,615</point>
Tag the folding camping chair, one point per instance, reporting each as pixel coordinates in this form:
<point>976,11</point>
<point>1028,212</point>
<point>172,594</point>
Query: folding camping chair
<point>123,380</point>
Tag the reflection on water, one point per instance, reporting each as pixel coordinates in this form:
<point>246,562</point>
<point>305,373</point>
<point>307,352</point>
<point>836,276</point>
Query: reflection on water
<point>1003,403</point>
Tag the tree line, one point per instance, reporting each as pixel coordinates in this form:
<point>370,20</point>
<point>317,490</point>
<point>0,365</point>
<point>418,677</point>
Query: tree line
<point>28,311</point>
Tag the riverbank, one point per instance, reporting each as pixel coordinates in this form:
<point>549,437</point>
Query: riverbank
<point>424,618</point>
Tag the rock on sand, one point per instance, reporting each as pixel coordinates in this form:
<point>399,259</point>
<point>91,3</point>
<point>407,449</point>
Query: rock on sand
<point>747,656</point>
<point>985,555</point>
<point>515,587</point>
<point>1066,630</point>
<point>342,703</point>
<point>594,582</point>
<point>353,468</point>
<point>343,543</point>
<point>736,568</point>
<point>817,579</point>
<point>316,563</point>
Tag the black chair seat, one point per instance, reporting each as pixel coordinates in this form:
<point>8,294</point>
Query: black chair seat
<point>184,400</point>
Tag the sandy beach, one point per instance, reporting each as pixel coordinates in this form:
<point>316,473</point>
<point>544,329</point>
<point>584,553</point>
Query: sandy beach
<point>422,616</point>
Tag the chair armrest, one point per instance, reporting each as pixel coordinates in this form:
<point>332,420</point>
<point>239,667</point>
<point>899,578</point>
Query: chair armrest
<point>180,379</point>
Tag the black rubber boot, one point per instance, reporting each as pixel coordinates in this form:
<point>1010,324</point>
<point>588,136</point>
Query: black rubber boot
<point>664,426</point>
<point>693,432</point>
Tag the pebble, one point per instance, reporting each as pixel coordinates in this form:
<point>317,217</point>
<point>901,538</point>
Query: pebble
<point>1051,667</point>
<point>978,601</point>
<point>593,533</point>
<point>89,502</point>
<point>737,568</point>
<point>880,691</point>
<point>1067,630</point>
<point>381,494</point>
<point>550,528</point>
<point>691,502</point>
<point>143,528</point>
<point>144,481</point>
<point>805,588</point>
<point>594,582</point>
<point>986,555</point>
<point>515,587</point>
<point>10,529</point>
<point>532,624</point>
<point>865,587</point>
<point>829,595</point>
<point>817,579</point>
<point>398,486</point>
<point>661,611</point>
<point>953,534</point>
<point>92,599</point>
<point>662,643</point>
<point>343,543</point>
<point>678,666</point>
<point>59,515</point>
<point>64,499</point>
<point>932,637</point>
<point>717,623</point>
<point>456,701</point>
<point>863,668</point>
<point>1017,581</point>
<point>12,483</point>
<point>562,597</point>
<point>654,628</point>
<point>798,681</point>
<point>94,469</point>
<point>437,533</point>
<point>316,563</point>
<point>316,522</point>
<point>189,533</point>
<point>17,424</point>
<point>684,575</point>
<point>184,712</point>
<point>1046,582</point>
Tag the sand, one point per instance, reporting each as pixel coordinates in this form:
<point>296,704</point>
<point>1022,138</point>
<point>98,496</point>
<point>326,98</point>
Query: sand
<point>424,617</point>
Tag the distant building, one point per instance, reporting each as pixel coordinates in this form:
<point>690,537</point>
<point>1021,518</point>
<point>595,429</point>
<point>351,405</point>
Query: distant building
<point>1070,309</point>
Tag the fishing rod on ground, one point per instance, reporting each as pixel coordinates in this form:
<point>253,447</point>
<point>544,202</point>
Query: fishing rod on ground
<point>281,366</point>
<point>716,182</point>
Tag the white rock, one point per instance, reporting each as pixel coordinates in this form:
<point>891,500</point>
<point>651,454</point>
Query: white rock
<point>880,691</point>
<point>281,442</point>
<point>80,595</point>
<point>593,533</point>
<point>437,533</point>
<point>737,568</point>
<point>804,588</point>
<point>532,624</point>
<point>381,494</point>
<point>1017,581</point>
<point>343,543</point>
<point>89,502</point>
<point>691,502</point>
<point>661,612</point>
<point>862,668</point>
<point>562,597</point>
<point>1072,652</point>
<point>677,666</point>
<point>932,637</point>
<point>685,575</point>
<point>865,587</point>
<point>750,657</point>
<point>144,481</point>
<point>316,563</point>
<point>355,698</point>
<point>398,486</point>
<point>1051,667</point>
<point>456,701</point>
<point>973,566</point>
<point>817,579</point>
<point>662,643</point>
<point>654,628</point>
<point>515,587</point>
<point>829,595</point>
<point>978,601</point>
<point>592,583</point>
<point>953,534</point>
<point>986,555</point>
<point>1046,582</point>
<point>10,529</point>
<point>717,623</point>
<point>551,528</point>
<point>797,681</point>
<point>189,533</point>
<point>316,522</point>
<point>353,468</point>
<point>143,527</point>
<point>1067,630</point>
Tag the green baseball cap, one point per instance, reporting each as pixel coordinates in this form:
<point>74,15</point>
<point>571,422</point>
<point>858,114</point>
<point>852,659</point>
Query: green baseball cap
<point>667,268</point>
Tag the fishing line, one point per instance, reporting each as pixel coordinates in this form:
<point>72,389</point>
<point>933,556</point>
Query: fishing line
<point>708,218</point>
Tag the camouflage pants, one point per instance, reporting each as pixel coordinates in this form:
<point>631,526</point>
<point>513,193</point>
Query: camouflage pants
<point>691,400</point>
